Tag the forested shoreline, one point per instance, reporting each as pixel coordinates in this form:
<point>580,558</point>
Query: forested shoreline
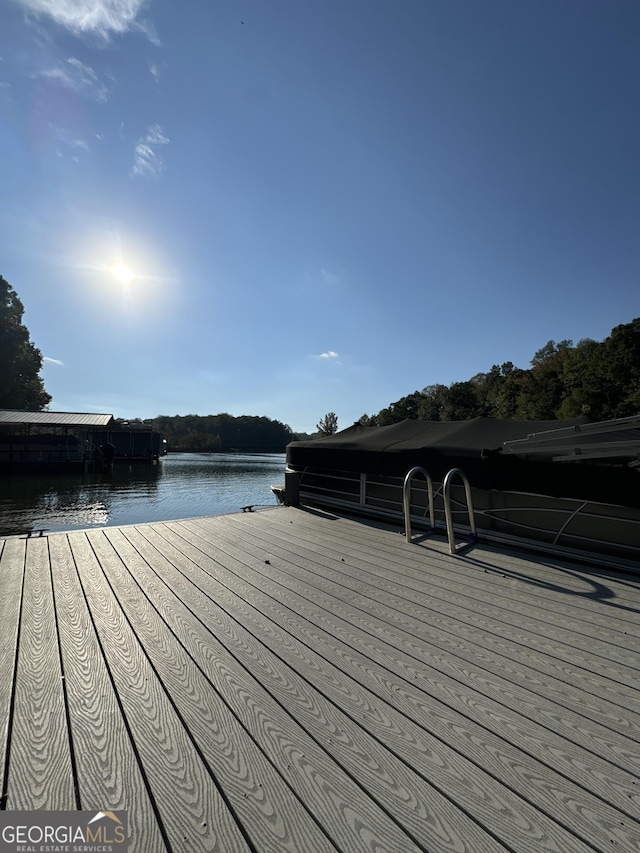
<point>223,433</point>
<point>598,379</point>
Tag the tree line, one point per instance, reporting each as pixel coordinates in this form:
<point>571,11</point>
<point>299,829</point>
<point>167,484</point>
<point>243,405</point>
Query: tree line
<point>598,379</point>
<point>223,432</point>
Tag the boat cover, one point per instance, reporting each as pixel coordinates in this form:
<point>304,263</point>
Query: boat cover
<point>475,446</point>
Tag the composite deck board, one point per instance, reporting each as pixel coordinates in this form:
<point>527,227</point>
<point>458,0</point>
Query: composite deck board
<point>548,585</point>
<point>107,768</point>
<point>515,592</point>
<point>293,680</point>
<point>502,639</point>
<point>511,622</point>
<point>39,767</point>
<point>255,792</point>
<point>537,680</point>
<point>329,734</point>
<point>12,556</point>
<point>466,715</point>
<point>430,619</point>
<point>193,812</point>
<point>548,791</point>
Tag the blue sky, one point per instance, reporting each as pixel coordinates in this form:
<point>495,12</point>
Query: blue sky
<point>327,204</point>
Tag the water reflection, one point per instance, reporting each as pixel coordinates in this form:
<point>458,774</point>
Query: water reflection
<point>179,486</point>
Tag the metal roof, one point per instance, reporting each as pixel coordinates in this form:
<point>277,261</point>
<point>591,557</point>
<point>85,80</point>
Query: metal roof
<point>78,419</point>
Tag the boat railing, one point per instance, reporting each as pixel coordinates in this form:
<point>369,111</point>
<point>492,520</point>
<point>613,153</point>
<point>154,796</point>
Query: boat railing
<point>597,533</point>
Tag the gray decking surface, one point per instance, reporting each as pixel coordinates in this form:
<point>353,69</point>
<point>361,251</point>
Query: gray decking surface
<point>291,681</point>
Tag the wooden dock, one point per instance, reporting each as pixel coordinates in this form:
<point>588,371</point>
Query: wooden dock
<point>287,680</point>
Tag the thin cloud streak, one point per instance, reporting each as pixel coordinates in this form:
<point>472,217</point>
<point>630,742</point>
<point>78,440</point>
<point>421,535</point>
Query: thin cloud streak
<point>78,77</point>
<point>96,17</point>
<point>147,160</point>
<point>53,360</point>
<point>329,277</point>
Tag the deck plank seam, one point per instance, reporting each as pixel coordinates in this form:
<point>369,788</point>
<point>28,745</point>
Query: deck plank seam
<point>72,750</point>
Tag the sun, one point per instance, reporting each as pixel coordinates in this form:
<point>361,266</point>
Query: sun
<point>122,273</point>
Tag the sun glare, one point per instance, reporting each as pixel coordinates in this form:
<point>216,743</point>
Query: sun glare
<point>122,273</point>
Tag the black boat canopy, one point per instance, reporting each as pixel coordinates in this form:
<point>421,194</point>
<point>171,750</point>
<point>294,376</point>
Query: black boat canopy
<point>478,447</point>
<point>388,449</point>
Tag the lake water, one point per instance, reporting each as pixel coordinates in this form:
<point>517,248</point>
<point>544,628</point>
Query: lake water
<point>181,485</point>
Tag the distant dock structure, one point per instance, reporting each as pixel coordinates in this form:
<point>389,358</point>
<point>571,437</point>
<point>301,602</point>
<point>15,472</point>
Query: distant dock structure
<point>73,441</point>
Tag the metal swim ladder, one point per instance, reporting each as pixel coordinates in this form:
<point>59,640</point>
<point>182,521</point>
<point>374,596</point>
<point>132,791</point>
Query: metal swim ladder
<point>406,499</point>
<point>446,495</point>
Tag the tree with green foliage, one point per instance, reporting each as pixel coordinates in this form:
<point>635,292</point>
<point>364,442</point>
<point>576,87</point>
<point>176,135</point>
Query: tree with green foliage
<point>433,400</point>
<point>462,402</point>
<point>581,386</point>
<point>544,388</point>
<point>617,371</point>
<point>406,407</point>
<point>20,361</point>
<point>328,425</point>
<point>366,420</point>
<point>497,391</point>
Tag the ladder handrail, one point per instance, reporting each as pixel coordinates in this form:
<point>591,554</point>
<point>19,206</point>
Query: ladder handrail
<point>406,498</point>
<point>446,490</point>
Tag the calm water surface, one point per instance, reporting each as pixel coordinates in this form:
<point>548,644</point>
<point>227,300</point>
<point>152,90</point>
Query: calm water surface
<point>181,485</point>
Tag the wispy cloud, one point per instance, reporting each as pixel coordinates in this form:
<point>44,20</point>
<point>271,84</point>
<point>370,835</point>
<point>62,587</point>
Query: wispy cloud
<point>78,77</point>
<point>102,18</point>
<point>147,161</point>
<point>67,144</point>
<point>329,277</point>
<point>52,360</point>
<point>329,354</point>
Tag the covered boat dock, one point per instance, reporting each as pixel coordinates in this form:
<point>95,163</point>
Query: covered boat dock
<point>70,440</point>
